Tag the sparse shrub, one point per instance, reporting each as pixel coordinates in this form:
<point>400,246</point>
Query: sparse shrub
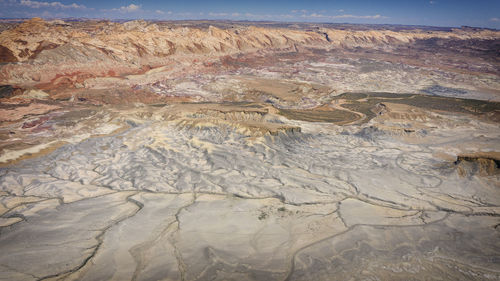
<point>262,216</point>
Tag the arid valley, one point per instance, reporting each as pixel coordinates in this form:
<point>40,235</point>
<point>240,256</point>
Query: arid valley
<point>225,150</point>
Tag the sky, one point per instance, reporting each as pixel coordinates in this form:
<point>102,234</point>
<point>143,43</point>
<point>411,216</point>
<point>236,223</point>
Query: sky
<point>450,13</point>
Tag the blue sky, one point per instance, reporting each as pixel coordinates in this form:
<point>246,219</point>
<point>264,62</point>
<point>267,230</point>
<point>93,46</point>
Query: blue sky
<point>481,13</point>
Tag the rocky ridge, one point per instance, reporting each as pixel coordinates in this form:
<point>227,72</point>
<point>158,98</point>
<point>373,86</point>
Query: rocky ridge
<point>50,51</point>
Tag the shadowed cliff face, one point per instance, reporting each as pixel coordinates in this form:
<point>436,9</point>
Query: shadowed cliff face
<point>185,151</point>
<point>56,55</point>
<point>482,163</point>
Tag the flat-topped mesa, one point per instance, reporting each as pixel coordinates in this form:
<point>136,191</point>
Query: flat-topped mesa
<point>373,38</point>
<point>248,129</point>
<point>483,163</point>
<point>252,123</point>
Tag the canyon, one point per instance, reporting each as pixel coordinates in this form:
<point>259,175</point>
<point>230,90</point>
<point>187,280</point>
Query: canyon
<point>220,150</point>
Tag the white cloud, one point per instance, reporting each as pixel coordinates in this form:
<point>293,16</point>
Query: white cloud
<point>127,9</point>
<point>212,14</point>
<point>57,5</point>
<point>374,17</point>
<point>251,16</point>
<point>346,16</point>
<point>314,15</point>
<point>341,10</point>
<point>432,2</point>
<point>495,19</point>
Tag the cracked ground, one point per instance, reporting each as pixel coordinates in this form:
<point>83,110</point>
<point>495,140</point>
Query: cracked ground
<point>164,200</point>
<point>360,160</point>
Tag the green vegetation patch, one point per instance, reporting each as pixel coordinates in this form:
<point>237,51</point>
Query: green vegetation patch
<point>316,115</point>
<point>366,102</point>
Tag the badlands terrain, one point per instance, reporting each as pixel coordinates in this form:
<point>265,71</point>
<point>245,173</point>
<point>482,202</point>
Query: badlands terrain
<point>205,150</point>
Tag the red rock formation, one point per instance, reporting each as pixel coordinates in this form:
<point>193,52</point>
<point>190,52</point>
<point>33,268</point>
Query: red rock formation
<point>6,55</point>
<point>59,56</point>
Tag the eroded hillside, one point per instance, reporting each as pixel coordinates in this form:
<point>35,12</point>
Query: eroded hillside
<point>228,151</point>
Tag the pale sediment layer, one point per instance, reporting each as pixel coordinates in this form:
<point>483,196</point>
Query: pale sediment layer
<point>156,151</point>
<point>163,200</point>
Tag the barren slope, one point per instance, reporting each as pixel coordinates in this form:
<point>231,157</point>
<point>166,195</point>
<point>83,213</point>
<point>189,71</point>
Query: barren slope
<point>185,151</point>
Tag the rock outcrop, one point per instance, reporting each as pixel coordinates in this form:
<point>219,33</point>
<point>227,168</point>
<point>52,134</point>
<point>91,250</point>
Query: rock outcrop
<point>52,49</point>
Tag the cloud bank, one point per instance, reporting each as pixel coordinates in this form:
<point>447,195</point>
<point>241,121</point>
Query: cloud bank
<point>57,5</point>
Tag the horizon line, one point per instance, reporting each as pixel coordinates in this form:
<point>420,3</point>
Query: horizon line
<point>234,20</point>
